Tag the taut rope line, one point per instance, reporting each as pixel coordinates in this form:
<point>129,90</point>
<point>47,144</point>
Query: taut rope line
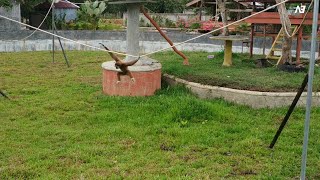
<point>41,22</point>
<point>94,47</point>
<point>178,44</point>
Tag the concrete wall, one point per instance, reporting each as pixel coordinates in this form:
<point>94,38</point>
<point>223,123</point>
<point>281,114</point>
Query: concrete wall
<point>171,16</point>
<point>149,41</point>
<point>13,13</point>
<point>253,99</point>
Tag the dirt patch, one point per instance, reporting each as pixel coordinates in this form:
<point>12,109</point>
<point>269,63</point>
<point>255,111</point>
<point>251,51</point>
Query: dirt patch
<point>233,84</point>
<point>166,147</point>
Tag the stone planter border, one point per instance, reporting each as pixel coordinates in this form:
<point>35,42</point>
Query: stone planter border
<point>254,99</point>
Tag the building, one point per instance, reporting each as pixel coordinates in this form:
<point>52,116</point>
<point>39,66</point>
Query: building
<point>13,13</point>
<point>64,9</point>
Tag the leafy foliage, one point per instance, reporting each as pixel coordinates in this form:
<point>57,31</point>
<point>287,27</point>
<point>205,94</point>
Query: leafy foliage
<point>5,3</point>
<point>167,6</point>
<point>160,6</point>
<point>91,12</point>
<point>27,6</point>
<point>195,25</point>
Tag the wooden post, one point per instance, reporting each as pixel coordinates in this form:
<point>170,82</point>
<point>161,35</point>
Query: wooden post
<point>252,32</point>
<point>251,40</point>
<point>227,53</point>
<point>200,10</point>
<point>238,13</point>
<point>273,39</point>
<point>299,45</point>
<point>154,23</point>
<point>264,40</point>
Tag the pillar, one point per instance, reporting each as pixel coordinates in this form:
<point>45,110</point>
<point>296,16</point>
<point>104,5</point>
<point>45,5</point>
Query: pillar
<point>299,45</point>
<point>227,53</point>
<point>133,33</point>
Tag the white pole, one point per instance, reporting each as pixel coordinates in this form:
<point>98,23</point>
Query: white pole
<point>309,96</point>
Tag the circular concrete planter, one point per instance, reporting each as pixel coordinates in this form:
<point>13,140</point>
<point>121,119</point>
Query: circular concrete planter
<point>253,99</point>
<point>147,79</point>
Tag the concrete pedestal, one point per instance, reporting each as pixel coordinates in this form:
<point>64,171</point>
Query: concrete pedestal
<point>228,46</point>
<point>147,79</point>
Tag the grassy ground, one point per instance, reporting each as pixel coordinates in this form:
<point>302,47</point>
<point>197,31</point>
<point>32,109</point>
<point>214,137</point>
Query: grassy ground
<point>242,75</point>
<point>58,125</point>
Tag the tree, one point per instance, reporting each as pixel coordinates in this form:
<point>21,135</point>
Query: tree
<point>27,7</point>
<point>287,40</point>
<point>5,3</point>
<point>167,6</point>
<point>223,11</point>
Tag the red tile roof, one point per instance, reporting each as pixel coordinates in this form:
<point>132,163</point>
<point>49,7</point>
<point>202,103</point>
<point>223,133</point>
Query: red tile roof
<point>65,4</point>
<point>62,4</point>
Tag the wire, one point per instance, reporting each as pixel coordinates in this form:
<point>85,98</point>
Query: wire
<point>94,47</point>
<point>303,19</point>
<point>41,22</point>
<point>84,3</point>
<point>270,7</point>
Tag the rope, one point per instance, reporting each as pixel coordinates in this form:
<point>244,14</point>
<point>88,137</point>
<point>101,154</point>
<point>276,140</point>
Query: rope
<point>235,22</point>
<point>93,47</point>
<point>303,19</point>
<point>273,6</point>
<point>41,22</point>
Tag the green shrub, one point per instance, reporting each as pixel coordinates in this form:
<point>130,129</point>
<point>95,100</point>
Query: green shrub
<point>169,23</point>
<point>181,23</point>
<point>216,33</point>
<point>109,27</point>
<point>80,25</point>
<point>243,28</point>
<point>142,22</point>
<point>196,25</point>
<point>91,12</point>
<point>159,20</point>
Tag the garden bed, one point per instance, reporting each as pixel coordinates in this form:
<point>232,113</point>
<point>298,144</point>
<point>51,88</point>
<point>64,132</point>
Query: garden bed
<point>242,75</point>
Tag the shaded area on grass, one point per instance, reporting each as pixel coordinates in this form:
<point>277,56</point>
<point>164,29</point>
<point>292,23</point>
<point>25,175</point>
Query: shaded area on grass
<point>241,75</point>
<point>59,125</point>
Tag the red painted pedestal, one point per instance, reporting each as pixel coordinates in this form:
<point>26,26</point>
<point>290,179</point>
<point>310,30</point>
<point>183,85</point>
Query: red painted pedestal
<point>147,80</point>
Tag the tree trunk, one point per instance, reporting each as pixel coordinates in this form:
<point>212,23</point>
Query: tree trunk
<point>200,10</point>
<point>287,41</point>
<point>223,11</point>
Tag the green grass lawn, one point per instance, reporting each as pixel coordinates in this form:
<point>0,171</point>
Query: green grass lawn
<point>242,75</point>
<point>59,125</point>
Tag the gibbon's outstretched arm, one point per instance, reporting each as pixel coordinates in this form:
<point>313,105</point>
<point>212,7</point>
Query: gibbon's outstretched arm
<point>111,54</point>
<point>131,62</point>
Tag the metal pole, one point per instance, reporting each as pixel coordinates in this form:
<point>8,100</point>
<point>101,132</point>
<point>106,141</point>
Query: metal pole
<point>290,110</point>
<point>309,96</point>
<point>64,53</point>
<point>52,33</point>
